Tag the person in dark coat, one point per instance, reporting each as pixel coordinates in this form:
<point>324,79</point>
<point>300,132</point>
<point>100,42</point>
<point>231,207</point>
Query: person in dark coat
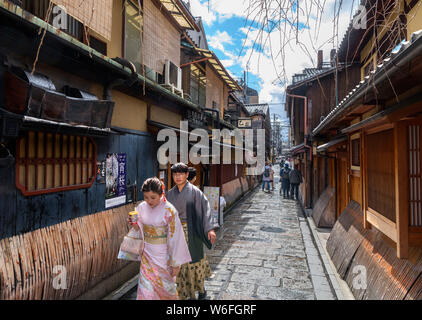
<point>295,177</point>
<point>199,225</point>
<point>285,180</point>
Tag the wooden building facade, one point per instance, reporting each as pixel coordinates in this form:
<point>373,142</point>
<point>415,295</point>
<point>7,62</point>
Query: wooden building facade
<point>59,125</point>
<point>372,137</point>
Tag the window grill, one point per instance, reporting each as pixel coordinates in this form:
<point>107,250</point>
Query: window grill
<point>51,162</point>
<point>415,176</point>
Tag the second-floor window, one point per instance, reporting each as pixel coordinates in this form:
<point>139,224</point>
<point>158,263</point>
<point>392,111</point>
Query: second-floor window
<point>198,83</point>
<point>39,8</point>
<point>133,23</point>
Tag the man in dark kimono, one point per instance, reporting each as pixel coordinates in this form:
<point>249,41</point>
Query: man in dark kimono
<point>198,223</point>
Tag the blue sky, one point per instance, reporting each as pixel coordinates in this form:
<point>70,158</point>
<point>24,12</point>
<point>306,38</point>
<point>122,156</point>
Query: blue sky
<point>226,29</point>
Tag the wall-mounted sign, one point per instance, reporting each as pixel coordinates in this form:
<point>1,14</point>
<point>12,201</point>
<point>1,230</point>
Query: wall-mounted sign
<point>162,175</point>
<point>213,196</point>
<point>115,180</point>
<point>244,123</point>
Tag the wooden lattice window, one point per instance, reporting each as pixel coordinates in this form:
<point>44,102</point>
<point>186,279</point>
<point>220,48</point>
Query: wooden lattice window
<point>414,134</point>
<point>52,162</point>
<point>380,173</point>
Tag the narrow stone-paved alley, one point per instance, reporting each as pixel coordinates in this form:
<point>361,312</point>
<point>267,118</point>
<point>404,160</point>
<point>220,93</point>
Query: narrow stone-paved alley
<point>265,251</point>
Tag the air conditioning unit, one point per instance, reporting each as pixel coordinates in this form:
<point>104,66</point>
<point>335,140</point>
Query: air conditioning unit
<point>173,77</point>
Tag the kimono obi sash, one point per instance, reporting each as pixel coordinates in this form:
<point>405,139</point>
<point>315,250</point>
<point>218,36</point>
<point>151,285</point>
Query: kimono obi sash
<point>155,235</point>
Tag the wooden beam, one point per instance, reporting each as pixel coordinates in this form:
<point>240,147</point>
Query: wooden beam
<point>401,189</point>
<point>405,111</point>
<point>192,62</point>
<point>383,224</point>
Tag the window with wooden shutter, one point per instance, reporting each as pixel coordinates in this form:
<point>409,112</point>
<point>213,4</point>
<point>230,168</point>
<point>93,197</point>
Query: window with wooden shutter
<point>355,152</point>
<point>380,174</point>
<point>52,162</point>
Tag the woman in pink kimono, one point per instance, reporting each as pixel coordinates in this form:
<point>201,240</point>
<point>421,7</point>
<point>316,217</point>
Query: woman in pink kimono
<point>165,244</point>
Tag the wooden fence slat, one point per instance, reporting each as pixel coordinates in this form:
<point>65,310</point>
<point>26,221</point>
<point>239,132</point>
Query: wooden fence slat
<point>47,264</point>
<point>16,267</point>
<point>69,255</point>
<point>85,256</point>
<point>58,249</point>
<point>5,260</point>
<point>78,247</point>
<point>26,267</point>
<point>87,247</point>
<point>72,265</point>
<point>36,246</point>
<point>36,267</point>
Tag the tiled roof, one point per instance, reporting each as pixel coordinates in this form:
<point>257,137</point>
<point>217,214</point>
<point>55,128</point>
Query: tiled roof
<point>308,73</point>
<point>219,68</point>
<point>388,63</point>
<point>256,108</point>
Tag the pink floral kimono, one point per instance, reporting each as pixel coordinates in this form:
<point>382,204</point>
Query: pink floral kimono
<point>165,247</point>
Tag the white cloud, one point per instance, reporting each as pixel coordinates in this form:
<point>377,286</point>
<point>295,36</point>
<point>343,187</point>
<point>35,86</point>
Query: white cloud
<point>218,40</point>
<point>270,66</point>
<point>199,9</point>
<point>227,63</point>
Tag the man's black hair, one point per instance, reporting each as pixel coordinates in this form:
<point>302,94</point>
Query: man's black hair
<point>179,167</point>
<point>192,173</point>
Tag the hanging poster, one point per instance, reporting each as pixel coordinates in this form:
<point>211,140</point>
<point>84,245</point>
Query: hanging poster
<point>115,180</point>
<point>213,196</point>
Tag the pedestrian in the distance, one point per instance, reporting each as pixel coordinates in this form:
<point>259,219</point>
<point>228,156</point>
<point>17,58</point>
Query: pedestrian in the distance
<point>272,178</point>
<point>223,205</point>
<point>192,175</point>
<point>295,178</point>
<point>198,224</point>
<point>165,244</point>
<point>285,180</point>
<point>266,177</point>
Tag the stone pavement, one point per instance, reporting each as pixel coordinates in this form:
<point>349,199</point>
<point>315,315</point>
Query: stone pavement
<point>266,250</point>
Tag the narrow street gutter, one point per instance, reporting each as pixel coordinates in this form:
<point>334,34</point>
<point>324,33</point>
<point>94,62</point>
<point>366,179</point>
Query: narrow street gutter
<point>340,287</point>
<point>123,290</point>
<point>233,205</point>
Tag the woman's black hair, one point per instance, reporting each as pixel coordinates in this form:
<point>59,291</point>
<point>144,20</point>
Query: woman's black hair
<point>179,167</point>
<point>154,185</point>
<point>192,173</point>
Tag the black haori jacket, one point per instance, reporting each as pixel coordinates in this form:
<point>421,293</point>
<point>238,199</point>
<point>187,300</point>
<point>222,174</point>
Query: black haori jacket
<point>194,208</point>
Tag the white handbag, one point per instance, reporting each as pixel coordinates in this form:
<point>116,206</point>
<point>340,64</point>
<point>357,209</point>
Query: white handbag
<point>132,246</point>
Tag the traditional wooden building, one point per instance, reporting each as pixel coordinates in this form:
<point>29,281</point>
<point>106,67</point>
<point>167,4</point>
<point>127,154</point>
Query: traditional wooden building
<point>373,136</point>
<point>78,135</point>
<point>312,95</point>
<point>261,120</point>
<point>208,83</point>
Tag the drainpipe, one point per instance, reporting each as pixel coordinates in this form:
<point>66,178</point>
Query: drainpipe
<point>305,123</point>
<point>218,115</point>
<point>119,81</point>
